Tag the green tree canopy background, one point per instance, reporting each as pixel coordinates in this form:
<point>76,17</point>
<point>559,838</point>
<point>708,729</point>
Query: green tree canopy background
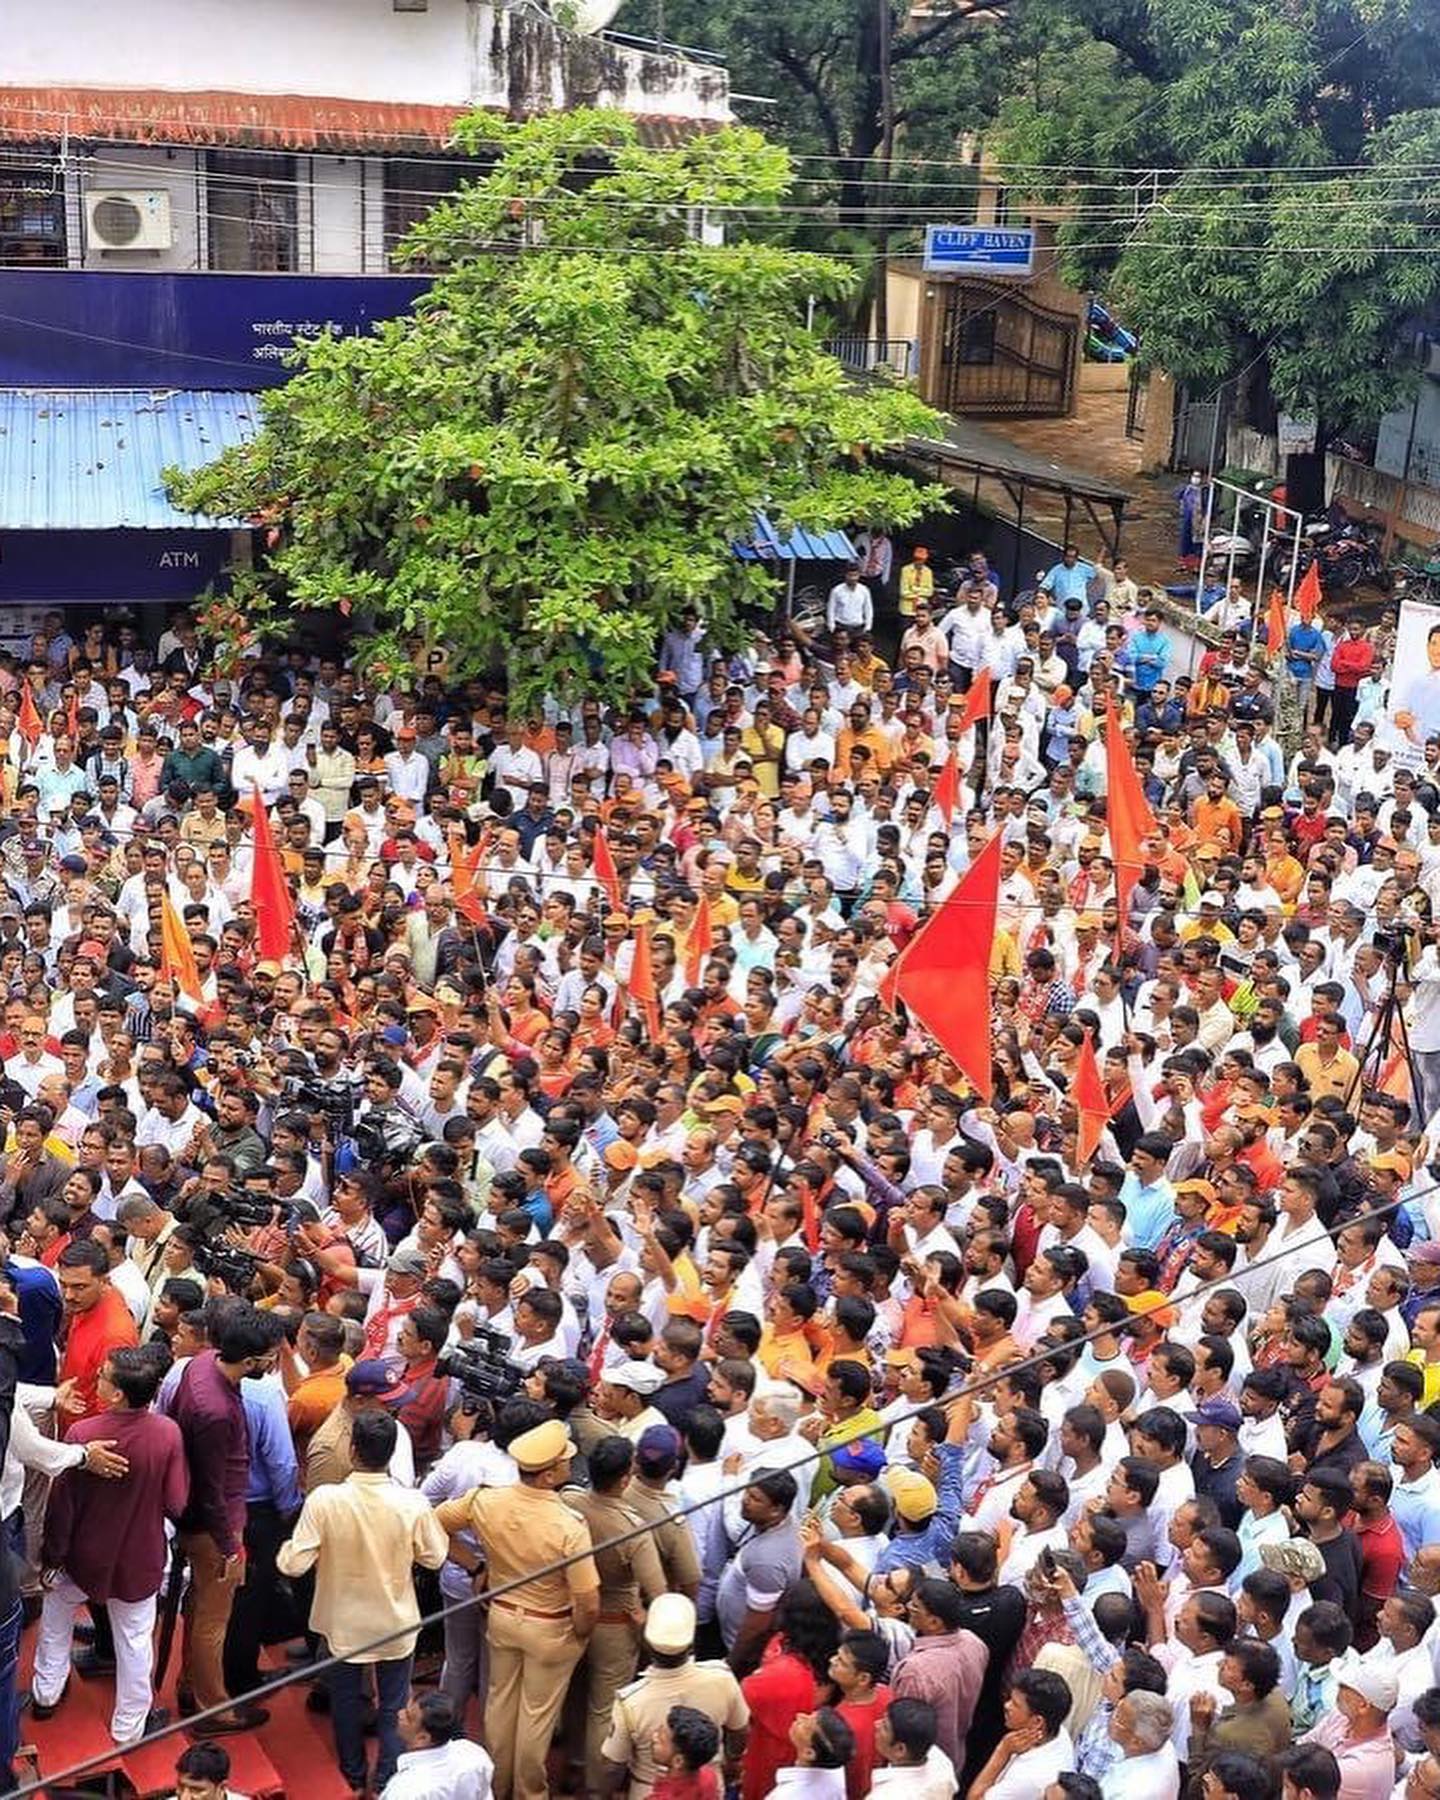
<point>553,458</point>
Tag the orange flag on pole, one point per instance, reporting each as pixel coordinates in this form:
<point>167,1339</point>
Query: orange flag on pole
<point>1128,811</point>
<point>177,953</point>
<point>947,789</point>
<point>29,720</point>
<point>1307,593</point>
<point>1275,622</point>
<point>72,720</point>
<point>270,899</point>
<point>1091,1099</point>
<point>699,943</point>
<point>463,864</point>
<point>977,701</point>
<point>642,981</point>
<point>944,973</point>
<point>605,871</point>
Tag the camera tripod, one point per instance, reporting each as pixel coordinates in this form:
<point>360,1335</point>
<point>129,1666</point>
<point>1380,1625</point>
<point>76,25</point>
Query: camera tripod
<point>1388,1031</point>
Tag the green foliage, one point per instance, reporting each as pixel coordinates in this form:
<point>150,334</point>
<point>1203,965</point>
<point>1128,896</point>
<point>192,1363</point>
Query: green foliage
<point>545,465</point>
<point>1287,235</point>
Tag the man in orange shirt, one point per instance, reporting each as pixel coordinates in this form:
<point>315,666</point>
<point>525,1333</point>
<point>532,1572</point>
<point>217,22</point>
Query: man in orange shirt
<point>97,1321</point>
<point>1217,816</point>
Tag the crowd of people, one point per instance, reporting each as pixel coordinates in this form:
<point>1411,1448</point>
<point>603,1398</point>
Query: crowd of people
<point>566,1311</point>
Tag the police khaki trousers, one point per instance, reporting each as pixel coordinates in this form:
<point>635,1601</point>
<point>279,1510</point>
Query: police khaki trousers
<point>610,1662</point>
<point>531,1661</point>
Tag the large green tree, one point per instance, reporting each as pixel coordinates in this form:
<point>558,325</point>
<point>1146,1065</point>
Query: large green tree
<point>554,457</point>
<point>1288,233</point>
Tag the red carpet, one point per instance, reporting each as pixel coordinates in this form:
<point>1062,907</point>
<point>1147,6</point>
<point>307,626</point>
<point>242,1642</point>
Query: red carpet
<point>292,1755</point>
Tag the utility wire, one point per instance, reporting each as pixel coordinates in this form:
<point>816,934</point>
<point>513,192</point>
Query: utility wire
<point>968,1388</point>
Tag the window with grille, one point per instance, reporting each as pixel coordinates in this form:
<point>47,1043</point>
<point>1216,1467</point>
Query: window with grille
<point>32,210</point>
<point>250,211</point>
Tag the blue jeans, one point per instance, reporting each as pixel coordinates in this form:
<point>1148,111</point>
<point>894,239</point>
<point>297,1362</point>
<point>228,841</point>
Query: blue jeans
<point>347,1682</point>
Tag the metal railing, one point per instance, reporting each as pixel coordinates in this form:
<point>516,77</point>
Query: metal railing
<point>862,354</point>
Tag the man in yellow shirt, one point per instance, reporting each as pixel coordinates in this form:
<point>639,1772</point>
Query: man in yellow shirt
<point>917,581</point>
<point>1328,1068</point>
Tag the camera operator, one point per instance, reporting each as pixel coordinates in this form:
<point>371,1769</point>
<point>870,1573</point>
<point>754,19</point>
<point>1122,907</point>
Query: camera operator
<point>1424,980</point>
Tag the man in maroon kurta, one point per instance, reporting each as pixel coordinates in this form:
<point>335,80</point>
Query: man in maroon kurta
<point>105,1540</point>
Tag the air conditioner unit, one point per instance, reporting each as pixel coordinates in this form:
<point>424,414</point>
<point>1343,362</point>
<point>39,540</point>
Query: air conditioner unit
<point>129,218</point>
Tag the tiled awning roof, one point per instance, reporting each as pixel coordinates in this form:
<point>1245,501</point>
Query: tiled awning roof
<point>211,116</point>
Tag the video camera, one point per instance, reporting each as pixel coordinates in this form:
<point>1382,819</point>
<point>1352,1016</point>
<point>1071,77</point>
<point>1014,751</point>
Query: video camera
<point>387,1137</point>
<point>309,1094</point>
<point>482,1367</point>
<point>236,1268</point>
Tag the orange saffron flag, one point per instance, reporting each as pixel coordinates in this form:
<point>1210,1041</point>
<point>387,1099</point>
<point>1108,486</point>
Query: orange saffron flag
<point>1275,622</point>
<point>1128,811</point>
<point>1091,1099</point>
<point>270,898</point>
<point>642,980</point>
<point>947,789</point>
<point>977,700</point>
<point>1307,593</point>
<point>177,953</point>
<point>31,727</point>
<point>944,973</point>
<point>605,871</point>
<point>699,943</point>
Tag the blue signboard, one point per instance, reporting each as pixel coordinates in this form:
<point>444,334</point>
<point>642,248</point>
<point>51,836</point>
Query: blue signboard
<point>93,566</point>
<point>979,249</point>
<point>91,328</point>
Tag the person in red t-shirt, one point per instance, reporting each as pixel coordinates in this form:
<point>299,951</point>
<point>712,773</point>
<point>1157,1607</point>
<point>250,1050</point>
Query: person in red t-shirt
<point>1382,1550</point>
<point>97,1321</point>
<point>857,1668</point>
<point>687,1745</point>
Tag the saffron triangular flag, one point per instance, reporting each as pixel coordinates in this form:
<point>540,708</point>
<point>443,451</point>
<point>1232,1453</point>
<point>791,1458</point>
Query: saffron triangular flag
<point>605,871</point>
<point>947,788</point>
<point>1090,1098</point>
<point>1128,813</point>
<point>270,898</point>
<point>463,864</point>
<point>642,981</point>
<point>944,975</point>
<point>699,943</point>
<point>1275,622</point>
<point>177,953</point>
<point>977,701</point>
<point>1307,593</point>
<point>29,720</point>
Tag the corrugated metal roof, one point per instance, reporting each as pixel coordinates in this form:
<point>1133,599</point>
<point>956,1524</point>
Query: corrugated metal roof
<point>91,459</point>
<point>31,115</point>
<point>802,546</point>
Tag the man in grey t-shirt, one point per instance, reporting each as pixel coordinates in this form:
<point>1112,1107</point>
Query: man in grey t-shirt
<point>768,1560</point>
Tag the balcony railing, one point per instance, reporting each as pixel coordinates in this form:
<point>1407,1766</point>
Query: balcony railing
<point>902,355</point>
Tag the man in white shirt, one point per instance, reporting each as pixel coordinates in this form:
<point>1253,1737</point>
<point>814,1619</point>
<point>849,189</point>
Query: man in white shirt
<point>1036,1748</point>
<point>439,1761</point>
<point>850,604</point>
<point>1148,1770</point>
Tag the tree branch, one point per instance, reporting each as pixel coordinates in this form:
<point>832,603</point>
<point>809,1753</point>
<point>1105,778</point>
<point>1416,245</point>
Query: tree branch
<point>808,81</point>
<point>908,47</point>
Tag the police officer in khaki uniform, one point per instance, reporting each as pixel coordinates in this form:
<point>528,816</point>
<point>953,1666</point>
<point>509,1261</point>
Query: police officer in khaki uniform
<point>630,1574</point>
<point>657,1457</point>
<point>536,1632</point>
<point>673,1678</point>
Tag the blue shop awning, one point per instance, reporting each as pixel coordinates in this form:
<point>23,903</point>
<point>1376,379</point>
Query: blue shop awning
<point>803,546</point>
<point>91,459</point>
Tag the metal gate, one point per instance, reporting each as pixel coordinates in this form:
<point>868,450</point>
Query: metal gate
<point>1003,352</point>
<point>1200,432</point>
<point>1137,401</point>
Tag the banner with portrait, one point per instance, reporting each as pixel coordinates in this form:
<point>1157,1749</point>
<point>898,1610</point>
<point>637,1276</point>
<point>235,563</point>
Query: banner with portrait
<point>1412,710</point>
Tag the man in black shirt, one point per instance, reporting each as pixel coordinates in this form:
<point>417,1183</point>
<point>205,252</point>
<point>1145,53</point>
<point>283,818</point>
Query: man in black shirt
<point>1322,1502</point>
<point>1217,1464</point>
<point>996,1615</point>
